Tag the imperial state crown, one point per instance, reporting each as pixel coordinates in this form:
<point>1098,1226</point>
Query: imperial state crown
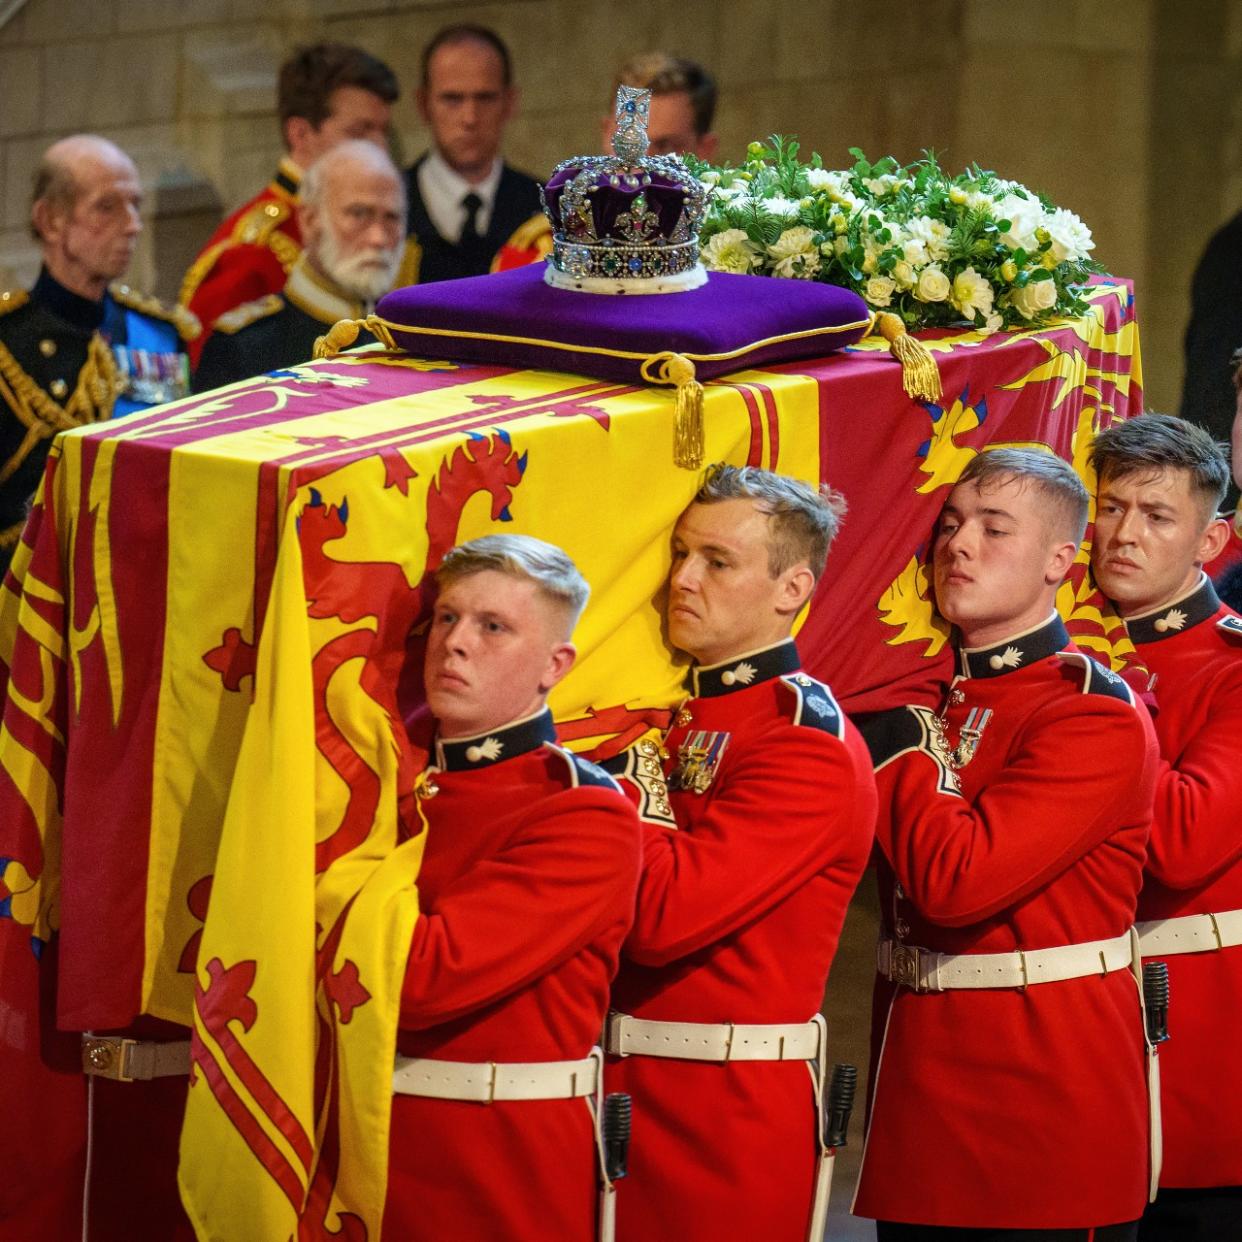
<point>627,222</point>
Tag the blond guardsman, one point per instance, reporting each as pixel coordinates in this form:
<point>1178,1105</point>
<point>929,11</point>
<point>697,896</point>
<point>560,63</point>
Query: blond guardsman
<point>79,347</point>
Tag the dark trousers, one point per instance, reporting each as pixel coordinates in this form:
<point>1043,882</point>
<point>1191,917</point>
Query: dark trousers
<point>1213,1215</point>
<point>886,1231</point>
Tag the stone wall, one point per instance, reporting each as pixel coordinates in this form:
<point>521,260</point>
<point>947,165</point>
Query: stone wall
<point>1099,105</point>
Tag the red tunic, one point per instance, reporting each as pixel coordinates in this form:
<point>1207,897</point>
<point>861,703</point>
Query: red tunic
<point>1002,1108</point>
<point>1194,866</point>
<point>526,891</point>
<point>738,916</point>
<point>247,257</point>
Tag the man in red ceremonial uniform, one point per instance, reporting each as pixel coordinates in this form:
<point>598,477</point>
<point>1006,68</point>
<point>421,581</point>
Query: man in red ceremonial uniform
<point>743,892</point>
<point>327,93</point>
<point>1161,481</point>
<point>526,892</point>
<point>1008,1089</point>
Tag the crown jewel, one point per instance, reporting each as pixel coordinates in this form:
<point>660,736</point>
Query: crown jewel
<point>629,222</point>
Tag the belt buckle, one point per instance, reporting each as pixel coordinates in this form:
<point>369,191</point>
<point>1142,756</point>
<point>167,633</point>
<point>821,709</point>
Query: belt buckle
<point>106,1056</point>
<point>903,966</point>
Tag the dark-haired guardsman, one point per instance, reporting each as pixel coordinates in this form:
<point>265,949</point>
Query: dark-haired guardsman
<point>526,891</point>
<point>749,862</point>
<point>79,347</point>
<point>1160,482</point>
<point>1009,1093</point>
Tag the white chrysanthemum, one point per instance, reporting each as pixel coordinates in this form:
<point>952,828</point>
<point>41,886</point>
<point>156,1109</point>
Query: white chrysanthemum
<point>1071,239</point>
<point>732,251</point>
<point>795,254</point>
<point>972,293</point>
<point>878,291</point>
<point>934,234</point>
<point>779,205</point>
<point>1024,214</point>
<point>976,199</point>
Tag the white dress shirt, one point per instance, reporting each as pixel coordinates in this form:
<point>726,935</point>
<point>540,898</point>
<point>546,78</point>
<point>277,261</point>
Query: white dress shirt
<point>443,190</point>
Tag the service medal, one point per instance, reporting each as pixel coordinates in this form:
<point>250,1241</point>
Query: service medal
<point>697,761</point>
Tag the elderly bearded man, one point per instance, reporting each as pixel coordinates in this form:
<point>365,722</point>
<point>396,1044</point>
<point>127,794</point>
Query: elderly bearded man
<point>352,211</point>
<point>526,892</point>
<point>766,829</point>
<point>1008,1092</point>
<point>1160,482</point>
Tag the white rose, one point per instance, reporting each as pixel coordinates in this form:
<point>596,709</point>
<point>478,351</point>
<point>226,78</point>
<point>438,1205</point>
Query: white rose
<point>794,253</point>
<point>879,290</point>
<point>903,275</point>
<point>732,251</point>
<point>1071,239</point>
<point>934,234</point>
<point>1024,214</point>
<point>933,285</point>
<point>972,294</point>
<point>841,245</point>
<point>994,322</point>
<point>1032,299</point>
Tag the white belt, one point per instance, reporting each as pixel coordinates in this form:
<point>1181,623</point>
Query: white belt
<point>485,1081</point>
<point>1192,933</point>
<point>131,1060</point>
<point>712,1041</point>
<point>924,970</point>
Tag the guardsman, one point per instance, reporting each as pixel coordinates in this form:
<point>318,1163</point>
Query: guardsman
<point>470,212</point>
<point>526,891</point>
<point>1160,483</point>
<point>1009,1079</point>
<point>352,212</point>
<point>327,93</point>
<point>80,347</point>
<point>767,828</point>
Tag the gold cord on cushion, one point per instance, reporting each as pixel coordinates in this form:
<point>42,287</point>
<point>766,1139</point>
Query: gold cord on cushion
<point>342,334</point>
<point>919,375</point>
<point>688,431</point>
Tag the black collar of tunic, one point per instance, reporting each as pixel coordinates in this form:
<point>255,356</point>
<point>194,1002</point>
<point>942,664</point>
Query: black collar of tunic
<point>468,754</point>
<point>1169,620</point>
<point>1015,652</point>
<point>709,681</point>
<point>72,307</point>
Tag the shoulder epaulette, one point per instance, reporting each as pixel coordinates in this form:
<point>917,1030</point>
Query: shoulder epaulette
<point>11,299</point>
<point>185,321</point>
<point>1097,679</point>
<point>247,313</point>
<point>582,771</point>
<point>534,232</point>
<point>814,705</point>
<point>257,225</point>
<point>1230,625</point>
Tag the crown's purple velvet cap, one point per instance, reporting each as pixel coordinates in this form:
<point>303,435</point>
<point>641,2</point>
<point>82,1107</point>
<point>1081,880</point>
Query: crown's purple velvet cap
<point>664,196</point>
<point>728,314</point>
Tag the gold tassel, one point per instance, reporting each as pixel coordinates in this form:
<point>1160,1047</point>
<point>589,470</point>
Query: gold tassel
<point>688,436</point>
<point>344,333</point>
<point>919,375</point>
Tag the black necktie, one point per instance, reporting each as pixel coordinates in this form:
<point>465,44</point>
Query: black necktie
<point>470,230</point>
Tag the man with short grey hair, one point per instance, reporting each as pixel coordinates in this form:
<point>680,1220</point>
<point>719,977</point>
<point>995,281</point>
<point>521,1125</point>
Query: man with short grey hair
<point>1009,1093</point>
<point>80,347</point>
<point>352,214</point>
<point>526,892</point>
<point>759,808</point>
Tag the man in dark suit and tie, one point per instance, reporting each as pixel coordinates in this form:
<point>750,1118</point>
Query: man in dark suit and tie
<point>469,212</point>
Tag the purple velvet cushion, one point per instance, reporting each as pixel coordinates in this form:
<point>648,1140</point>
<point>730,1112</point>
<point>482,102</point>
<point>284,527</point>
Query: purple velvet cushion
<point>515,319</point>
